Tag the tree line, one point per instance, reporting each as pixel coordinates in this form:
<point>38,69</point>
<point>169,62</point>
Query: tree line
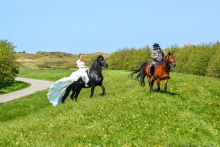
<point>128,59</point>
<point>202,59</point>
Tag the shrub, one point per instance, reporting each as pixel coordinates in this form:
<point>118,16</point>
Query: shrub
<point>8,65</point>
<point>213,68</point>
<point>129,59</point>
<point>202,59</point>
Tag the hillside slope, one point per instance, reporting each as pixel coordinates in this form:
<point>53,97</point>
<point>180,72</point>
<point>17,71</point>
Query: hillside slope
<point>188,115</point>
<point>53,60</point>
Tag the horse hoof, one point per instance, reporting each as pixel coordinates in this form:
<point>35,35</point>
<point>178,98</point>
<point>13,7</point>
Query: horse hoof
<point>103,94</point>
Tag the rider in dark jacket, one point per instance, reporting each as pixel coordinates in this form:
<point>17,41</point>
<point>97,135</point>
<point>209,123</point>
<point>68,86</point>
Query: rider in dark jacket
<point>157,56</point>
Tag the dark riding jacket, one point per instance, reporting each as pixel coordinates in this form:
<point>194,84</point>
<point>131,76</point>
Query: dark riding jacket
<point>157,55</point>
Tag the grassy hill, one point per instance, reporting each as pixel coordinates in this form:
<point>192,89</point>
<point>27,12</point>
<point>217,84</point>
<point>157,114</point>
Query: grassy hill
<point>53,60</point>
<point>188,115</point>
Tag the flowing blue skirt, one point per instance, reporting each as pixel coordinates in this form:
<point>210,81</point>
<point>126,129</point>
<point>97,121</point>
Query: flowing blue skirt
<point>58,89</point>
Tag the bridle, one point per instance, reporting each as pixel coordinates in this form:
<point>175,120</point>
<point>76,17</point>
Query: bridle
<point>169,61</point>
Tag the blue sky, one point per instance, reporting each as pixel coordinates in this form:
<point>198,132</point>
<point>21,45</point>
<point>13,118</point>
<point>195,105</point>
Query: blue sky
<point>83,26</point>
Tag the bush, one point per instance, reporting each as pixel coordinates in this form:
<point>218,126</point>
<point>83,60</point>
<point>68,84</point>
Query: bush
<point>129,59</point>
<point>214,63</point>
<point>8,64</point>
<point>199,59</point>
<point>202,59</point>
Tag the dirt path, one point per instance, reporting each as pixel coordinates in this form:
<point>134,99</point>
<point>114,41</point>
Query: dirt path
<point>36,85</point>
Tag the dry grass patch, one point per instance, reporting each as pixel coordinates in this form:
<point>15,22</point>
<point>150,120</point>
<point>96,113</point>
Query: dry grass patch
<point>53,60</point>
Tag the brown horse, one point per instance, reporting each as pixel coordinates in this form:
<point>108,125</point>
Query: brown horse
<point>161,72</point>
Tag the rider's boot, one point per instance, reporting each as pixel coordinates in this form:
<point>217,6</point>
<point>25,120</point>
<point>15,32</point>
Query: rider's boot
<point>86,85</point>
<point>152,72</point>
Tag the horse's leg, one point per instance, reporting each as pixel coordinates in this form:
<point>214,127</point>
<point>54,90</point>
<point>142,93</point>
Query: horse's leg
<point>73,93</point>
<point>92,90</point>
<point>67,91</point>
<point>165,85</point>
<point>150,84</point>
<point>77,93</point>
<point>71,96</point>
<point>74,89</point>
<point>148,74</point>
<point>103,89</point>
<point>158,84</point>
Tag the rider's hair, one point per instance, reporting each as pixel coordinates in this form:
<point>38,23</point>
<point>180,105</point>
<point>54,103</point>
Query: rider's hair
<point>80,54</point>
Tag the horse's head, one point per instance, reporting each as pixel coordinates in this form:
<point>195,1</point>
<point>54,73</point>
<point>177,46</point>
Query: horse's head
<point>170,59</point>
<point>102,61</point>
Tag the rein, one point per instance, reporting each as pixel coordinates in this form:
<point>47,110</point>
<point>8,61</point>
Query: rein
<point>164,60</point>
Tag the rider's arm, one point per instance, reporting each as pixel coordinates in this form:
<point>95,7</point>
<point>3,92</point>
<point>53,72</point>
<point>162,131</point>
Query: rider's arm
<point>162,53</point>
<point>79,65</point>
<point>84,67</point>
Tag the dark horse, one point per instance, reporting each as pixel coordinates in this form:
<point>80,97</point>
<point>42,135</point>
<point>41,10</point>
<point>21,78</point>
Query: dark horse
<point>95,79</point>
<point>161,72</point>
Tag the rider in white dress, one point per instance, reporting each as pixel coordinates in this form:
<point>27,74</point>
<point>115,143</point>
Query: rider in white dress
<point>58,89</point>
<point>83,70</point>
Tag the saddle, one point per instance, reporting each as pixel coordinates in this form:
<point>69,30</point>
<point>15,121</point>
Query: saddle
<point>153,67</point>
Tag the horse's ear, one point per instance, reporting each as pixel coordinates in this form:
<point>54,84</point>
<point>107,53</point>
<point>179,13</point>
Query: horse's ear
<point>100,56</point>
<point>168,54</point>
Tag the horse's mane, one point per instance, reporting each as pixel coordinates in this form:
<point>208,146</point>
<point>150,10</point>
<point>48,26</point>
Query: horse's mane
<point>162,62</point>
<point>95,64</point>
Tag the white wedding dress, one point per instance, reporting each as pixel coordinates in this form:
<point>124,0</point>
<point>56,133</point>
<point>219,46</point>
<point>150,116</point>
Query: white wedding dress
<point>57,90</point>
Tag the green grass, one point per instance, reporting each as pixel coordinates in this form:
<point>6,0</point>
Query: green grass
<point>188,115</point>
<point>51,75</point>
<point>16,85</point>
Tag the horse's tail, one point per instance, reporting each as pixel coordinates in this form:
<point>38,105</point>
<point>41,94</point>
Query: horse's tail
<point>141,74</point>
<point>66,94</point>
